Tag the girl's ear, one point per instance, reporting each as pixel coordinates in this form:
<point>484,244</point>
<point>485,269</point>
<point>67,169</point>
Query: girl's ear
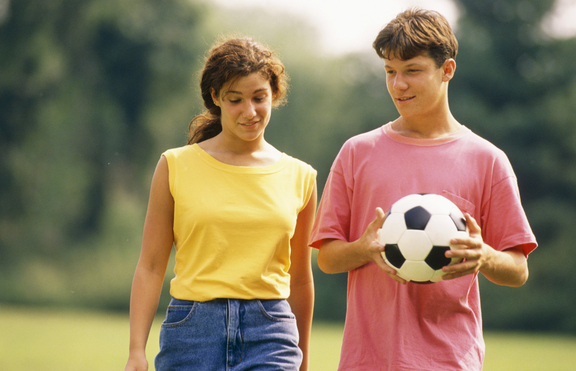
<point>214,97</point>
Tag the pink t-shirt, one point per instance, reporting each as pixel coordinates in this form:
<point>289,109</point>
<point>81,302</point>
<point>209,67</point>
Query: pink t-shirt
<point>417,326</point>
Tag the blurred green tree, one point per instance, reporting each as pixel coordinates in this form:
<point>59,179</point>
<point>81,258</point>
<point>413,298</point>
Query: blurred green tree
<point>92,91</point>
<point>88,91</point>
<point>516,85</point>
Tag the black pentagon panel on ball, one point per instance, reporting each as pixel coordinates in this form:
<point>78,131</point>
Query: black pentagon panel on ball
<point>459,221</point>
<point>436,258</point>
<point>394,255</point>
<point>417,218</point>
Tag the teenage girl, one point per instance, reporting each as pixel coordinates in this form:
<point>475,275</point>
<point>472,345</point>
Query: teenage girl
<point>238,213</point>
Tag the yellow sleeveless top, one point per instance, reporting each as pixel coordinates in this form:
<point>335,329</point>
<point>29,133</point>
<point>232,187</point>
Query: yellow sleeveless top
<point>233,224</point>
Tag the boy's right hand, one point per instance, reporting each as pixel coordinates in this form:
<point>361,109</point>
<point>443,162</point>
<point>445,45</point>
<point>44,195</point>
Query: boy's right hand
<point>375,249</point>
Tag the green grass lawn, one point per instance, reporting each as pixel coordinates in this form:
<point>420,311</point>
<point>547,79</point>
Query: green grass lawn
<point>32,339</point>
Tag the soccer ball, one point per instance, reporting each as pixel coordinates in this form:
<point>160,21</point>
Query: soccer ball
<point>417,232</point>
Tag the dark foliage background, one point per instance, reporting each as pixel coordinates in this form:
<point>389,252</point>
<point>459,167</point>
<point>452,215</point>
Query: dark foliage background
<point>91,92</point>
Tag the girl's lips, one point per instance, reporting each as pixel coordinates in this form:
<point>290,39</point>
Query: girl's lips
<point>249,124</point>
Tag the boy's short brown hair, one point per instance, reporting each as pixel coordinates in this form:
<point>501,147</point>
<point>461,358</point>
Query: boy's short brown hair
<point>417,32</point>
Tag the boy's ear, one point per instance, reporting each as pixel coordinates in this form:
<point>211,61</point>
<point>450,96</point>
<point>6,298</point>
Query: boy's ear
<point>449,68</point>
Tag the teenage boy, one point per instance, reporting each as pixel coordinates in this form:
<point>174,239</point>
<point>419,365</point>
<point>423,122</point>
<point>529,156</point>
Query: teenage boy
<point>392,324</point>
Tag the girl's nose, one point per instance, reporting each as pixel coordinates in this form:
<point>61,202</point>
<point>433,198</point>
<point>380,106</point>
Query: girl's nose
<point>249,111</point>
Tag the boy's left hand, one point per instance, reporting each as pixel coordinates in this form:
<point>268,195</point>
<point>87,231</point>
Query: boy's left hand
<point>472,250</point>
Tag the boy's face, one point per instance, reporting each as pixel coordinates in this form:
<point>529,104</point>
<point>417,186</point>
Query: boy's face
<point>417,86</point>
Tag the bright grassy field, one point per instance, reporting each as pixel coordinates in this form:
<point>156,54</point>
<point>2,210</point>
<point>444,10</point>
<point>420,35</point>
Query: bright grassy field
<point>32,339</point>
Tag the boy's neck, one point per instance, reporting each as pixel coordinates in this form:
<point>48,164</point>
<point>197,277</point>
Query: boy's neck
<point>426,128</point>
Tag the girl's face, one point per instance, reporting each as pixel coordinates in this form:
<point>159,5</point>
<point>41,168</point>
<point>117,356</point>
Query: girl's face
<point>246,105</point>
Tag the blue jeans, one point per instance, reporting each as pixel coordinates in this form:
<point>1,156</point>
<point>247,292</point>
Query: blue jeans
<point>229,334</point>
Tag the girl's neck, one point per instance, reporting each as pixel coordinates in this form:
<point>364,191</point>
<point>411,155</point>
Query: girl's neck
<point>255,153</point>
